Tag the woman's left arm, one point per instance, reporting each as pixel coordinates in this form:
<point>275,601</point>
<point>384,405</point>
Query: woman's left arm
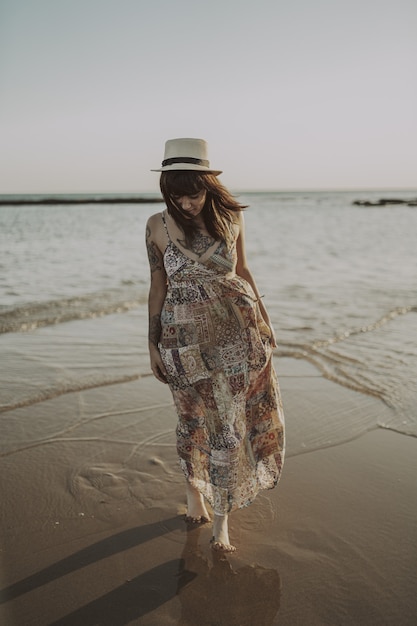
<point>243,270</point>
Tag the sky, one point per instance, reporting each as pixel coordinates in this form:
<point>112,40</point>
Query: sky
<point>289,94</point>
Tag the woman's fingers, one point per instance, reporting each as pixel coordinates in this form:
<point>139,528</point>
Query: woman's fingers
<point>159,371</point>
<point>272,338</point>
<point>160,376</point>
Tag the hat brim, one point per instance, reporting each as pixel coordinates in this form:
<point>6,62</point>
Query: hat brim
<point>177,167</point>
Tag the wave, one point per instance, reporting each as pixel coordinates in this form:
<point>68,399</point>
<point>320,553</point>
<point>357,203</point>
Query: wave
<point>37,314</point>
<point>350,371</point>
<point>368,367</point>
<point>49,393</point>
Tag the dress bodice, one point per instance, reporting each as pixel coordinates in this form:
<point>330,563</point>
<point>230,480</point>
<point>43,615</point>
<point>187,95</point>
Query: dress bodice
<point>180,267</point>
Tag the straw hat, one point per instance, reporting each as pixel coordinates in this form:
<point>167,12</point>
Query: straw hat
<point>186,154</point>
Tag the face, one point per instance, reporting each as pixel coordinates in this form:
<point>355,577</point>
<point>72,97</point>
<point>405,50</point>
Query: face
<point>191,206</point>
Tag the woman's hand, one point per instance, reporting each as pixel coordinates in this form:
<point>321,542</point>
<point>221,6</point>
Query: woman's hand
<point>272,339</point>
<point>265,316</point>
<point>157,366</point>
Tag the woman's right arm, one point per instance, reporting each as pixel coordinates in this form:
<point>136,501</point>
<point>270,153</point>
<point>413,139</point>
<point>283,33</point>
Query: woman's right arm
<point>157,293</point>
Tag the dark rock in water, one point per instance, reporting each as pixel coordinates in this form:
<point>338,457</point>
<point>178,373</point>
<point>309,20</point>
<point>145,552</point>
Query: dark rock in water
<point>55,200</point>
<point>393,201</point>
<point>386,201</point>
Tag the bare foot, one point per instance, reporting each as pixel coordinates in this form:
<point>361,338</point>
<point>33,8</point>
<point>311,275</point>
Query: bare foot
<point>220,540</point>
<point>196,508</point>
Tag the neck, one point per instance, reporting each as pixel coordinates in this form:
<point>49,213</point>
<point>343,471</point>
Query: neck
<point>198,221</point>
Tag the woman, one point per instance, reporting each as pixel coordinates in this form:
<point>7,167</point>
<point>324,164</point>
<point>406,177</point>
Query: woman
<point>211,340</point>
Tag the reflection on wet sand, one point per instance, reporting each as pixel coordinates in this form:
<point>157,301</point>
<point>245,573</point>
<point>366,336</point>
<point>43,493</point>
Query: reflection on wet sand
<point>217,593</point>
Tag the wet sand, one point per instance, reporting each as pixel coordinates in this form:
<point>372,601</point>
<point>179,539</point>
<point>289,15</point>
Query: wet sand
<point>92,529</point>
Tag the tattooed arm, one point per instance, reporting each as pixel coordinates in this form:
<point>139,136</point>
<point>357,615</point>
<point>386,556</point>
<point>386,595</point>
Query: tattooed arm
<point>157,293</point>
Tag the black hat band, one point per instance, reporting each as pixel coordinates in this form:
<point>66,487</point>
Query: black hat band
<point>190,160</point>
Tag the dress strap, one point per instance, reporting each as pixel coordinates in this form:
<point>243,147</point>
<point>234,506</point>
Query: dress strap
<point>165,225</point>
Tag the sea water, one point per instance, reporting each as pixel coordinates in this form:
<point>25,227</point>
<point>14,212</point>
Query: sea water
<point>339,281</point>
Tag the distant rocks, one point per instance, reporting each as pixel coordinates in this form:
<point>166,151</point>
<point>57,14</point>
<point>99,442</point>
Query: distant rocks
<point>386,202</point>
<point>58,200</point>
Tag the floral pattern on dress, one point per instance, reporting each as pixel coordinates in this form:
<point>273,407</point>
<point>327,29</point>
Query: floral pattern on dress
<point>216,351</point>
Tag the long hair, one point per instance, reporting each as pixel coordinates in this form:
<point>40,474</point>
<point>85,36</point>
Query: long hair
<point>219,207</point>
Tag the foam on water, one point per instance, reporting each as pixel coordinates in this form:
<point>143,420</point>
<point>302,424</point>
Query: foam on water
<point>34,315</point>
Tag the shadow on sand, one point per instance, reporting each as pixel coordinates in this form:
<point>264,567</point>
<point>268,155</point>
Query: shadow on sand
<point>210,591</point>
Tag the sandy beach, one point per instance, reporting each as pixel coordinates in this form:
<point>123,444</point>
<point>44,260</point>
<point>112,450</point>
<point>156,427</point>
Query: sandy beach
<point>93,530</point>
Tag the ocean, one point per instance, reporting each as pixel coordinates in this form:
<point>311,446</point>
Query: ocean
<point>339,280</point>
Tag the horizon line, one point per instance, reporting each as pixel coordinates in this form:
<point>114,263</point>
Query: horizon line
<point>234,191</point>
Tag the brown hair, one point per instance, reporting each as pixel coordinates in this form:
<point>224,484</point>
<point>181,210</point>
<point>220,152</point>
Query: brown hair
<point>218,209</point>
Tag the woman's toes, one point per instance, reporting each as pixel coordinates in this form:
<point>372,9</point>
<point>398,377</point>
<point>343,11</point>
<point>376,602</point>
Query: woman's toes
<point>197,519</point>
<point>222,547</point>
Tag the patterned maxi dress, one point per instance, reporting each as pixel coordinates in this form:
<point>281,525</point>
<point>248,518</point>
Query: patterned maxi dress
<point>215,347</point>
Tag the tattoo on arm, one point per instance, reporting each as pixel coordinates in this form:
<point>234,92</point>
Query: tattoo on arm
<point>200,243</point>
<point>155,329</point>
<point>153,256</point>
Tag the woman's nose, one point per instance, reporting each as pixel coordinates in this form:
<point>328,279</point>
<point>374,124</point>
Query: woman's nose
<point>185,202</point>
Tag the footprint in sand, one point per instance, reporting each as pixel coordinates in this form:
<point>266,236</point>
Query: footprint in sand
<point>104,479</point>
<point>103,483</point>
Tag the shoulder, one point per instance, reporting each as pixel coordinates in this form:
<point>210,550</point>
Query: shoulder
<point>238,223</point>
<point>155,226</point>
<point>155,221</point>
<point>155,231</point>
<point>240,218</point>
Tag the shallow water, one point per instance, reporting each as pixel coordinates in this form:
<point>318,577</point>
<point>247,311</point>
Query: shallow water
<point>339,281</point>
